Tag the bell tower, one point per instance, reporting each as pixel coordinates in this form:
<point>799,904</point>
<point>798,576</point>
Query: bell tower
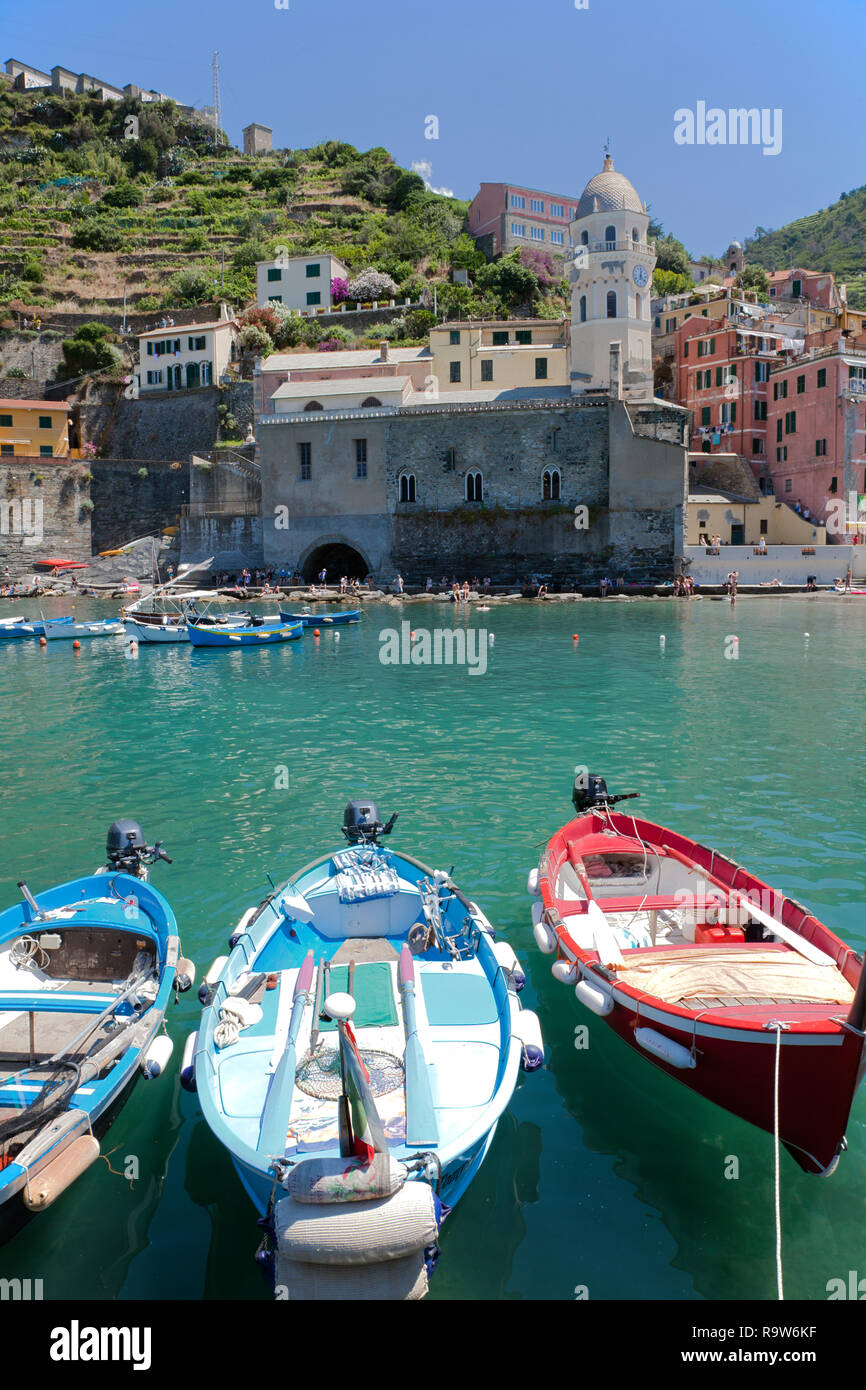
<point>611,286</point>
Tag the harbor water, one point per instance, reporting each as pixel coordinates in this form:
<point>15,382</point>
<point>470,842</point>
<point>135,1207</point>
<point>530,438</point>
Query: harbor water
<point>606,1178</point>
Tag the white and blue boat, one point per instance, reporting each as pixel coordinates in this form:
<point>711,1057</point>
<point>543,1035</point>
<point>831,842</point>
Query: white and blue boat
<point>357,1049</point>
<point>255,635</point>
<point>87,970</point>
<point>22,627</point>
<point>68,629</point>
<point>310,619</point>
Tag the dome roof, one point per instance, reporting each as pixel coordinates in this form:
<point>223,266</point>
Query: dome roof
<point>609,192</point>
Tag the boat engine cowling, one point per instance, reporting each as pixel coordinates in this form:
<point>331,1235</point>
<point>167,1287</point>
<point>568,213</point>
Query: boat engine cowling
<point>590,791</point>
<point>125,839</point>
<point>361,823</point>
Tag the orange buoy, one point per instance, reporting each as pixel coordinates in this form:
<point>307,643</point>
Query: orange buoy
<point>575,637</point>
<point>316,632</point>
<point>43,641</point>
<point>76,645</point>
<point>412,636</point>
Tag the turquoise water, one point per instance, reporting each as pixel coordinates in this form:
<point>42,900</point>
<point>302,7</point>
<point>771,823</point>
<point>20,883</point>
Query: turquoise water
<point>604,1173</point>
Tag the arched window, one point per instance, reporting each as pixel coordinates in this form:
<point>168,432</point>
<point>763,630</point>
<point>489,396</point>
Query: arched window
<point>474,487</point>
<point>611,304</point>
<point>206,374</point>
<point>583,308</point>
<point>550,485</point>
<point>314,405</point>
<point>634,234</point>
<point>637,306</point>
<point>584,238</point>
<point>610,234</point>
<point>371,403</point>
<point>407,487</point>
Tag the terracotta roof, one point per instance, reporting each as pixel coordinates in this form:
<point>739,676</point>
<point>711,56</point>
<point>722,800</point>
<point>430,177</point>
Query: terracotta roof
<point>179,328</point>
<point>35,405</point>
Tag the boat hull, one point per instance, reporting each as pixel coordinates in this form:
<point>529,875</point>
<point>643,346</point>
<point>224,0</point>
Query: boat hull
<point>65,631</point>
<point>323,619</point>
<point>267,634</point>
<point>153,634</point>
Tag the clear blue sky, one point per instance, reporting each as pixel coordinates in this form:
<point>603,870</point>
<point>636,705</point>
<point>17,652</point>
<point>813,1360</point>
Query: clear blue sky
<point>523,91</point>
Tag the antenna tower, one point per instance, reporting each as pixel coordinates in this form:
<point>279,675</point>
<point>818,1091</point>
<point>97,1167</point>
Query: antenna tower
<point>217,109</point>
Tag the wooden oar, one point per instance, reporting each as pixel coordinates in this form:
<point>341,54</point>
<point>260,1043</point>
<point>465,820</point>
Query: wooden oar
<point>317,1007</point>
<point>605,942</point>
<point>786,934</point>
<point>278,1103</point>
<point>421,1126</point>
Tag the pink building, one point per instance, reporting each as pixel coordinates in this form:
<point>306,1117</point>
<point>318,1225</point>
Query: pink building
<point>816,432</point>
<point>386,361</point>
<point>506,216</point>
<point>817,287</point>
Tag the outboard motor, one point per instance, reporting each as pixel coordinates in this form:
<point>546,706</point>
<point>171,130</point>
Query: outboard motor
<point>127,851</point>
<point>361,824</point>
<point>590,791</point>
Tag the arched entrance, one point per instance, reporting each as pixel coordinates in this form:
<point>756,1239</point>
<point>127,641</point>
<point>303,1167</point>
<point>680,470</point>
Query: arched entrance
<point>338,559</point>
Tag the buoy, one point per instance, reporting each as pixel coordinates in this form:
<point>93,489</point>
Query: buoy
<point>156,1057</point>
<point>510,964</point>
<point>597,1000</point>
<point>61,1172</point>
<point>187,1066</point>
<point>316,632</point>
<point>336,636</point>
<point>184,976</point>
<point>575,637</point>
<point>662,640</point>
<point>43,641</point>
<point>339,1006</point>
<point>545,936</point>
<point>412,636</point>
<point>491,638</point>
<point>76,645</point>
<point>565,971</point>
<point>528,1029</point>
<point>532,883</point>
<point>665,1048</point>
<point>806,635</point>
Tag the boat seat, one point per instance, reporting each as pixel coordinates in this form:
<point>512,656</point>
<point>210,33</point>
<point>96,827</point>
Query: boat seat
<point>54,1002</point>
<point>665,902</point>
<point>363,949</point>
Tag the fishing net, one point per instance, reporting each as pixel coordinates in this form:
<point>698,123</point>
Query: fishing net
<point>57,1089</point>
<point>318,1075</point>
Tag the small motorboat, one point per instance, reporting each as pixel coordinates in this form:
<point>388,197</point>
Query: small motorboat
<point>68,628</point>
<point>155,633</point>
<point>357,1049</point>
<point>87,970</point>
<point>252,635</point>
<point>309,619</point>
<point>723,983</point>
<point>20,627</point>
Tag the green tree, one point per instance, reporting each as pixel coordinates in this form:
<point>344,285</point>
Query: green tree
<point>754,277</point>
<point>672,255</point>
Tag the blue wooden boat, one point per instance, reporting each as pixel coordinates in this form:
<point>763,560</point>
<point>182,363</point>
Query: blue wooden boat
<point>346,615</point>
<point>24,628</point>
<point>356,1051</point>
<point>255,635</point>
<point>87,970</point>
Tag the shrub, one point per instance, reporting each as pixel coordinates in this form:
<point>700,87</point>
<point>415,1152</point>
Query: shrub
<point>85,505</point>
<point>255,339</point>
<point>97,234</point>
<point>191,286</point>
<point>125,195</point>
<point>88,351</point>
<point>339,289</point>
<point>371,284</point>
<point>142,473</point>
<point>17,373</point>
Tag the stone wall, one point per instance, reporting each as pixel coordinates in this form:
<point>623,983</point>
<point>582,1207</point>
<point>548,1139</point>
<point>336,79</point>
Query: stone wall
<point>164,425</point>
<point>233,541</point>
<point>40,513</point>
<point>127,506</point>
<point>727,472</point>
<point>38,355</point>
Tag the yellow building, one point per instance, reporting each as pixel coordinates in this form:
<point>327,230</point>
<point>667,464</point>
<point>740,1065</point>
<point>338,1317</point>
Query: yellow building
<point>739,520</point>
<point>34,429</point>
<point>500,356</point>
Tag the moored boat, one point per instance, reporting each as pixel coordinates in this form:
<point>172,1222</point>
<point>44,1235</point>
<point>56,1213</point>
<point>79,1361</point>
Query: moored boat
<point>309,619</point>
<point>253,635</point>
<point>87,970</point>
<point>357,1049</point>
<point>24,628</point>
<point>734,989</point>
<point>68,628</point>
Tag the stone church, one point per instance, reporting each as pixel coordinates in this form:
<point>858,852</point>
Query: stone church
<point>375,470</point>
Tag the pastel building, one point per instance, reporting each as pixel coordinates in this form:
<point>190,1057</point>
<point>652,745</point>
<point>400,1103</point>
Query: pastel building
<point>367,369</point>
<point>301,283</point>
<point>504,217</point>
<point>508,355</point>
<point>258,139</point>
<point>186,356</point>
<point>816,433</point>
<point>34,429</point>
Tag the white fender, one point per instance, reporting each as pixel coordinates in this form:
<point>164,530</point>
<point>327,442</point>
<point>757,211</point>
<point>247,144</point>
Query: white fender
<point>528,1029</point>
<point>545,936</point>
<point>184,974</point>
<point>532,883</point>
<point>215,971</point>
<point>240,929</point>
<point>156,1056</point>
<point>187,1065</point>
<point>597,999</point>
<point>565,971</point>
<point>664,1048</point>
<point>510,964</point>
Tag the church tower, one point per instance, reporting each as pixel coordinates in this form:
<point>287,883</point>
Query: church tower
<point>611,287</point>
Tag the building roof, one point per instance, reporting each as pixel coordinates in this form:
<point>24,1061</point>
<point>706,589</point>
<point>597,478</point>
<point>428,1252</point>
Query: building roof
<point>349,386</point>
<point>187,328</point>
<point>609,192</point>
<point>356,357</point>
<point>6,405</point>
<point>514,393</point>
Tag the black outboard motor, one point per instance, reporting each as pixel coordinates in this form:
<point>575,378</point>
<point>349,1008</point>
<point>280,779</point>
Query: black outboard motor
<point>128,852</point>
<point>361,824</point>
<point>590,791</point>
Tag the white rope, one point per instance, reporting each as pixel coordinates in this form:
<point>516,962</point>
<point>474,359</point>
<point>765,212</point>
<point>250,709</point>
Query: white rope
<point>24,951</point>
<point>779,1285</point>
<point>227,1031</point>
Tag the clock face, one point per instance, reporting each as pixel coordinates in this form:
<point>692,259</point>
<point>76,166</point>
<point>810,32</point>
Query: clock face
<point>640,275</point>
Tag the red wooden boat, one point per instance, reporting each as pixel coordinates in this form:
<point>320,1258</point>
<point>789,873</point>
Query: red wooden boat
<point>706,971</point>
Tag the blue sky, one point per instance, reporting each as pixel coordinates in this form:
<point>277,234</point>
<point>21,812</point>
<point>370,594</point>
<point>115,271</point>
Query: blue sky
<point>527,92</point>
